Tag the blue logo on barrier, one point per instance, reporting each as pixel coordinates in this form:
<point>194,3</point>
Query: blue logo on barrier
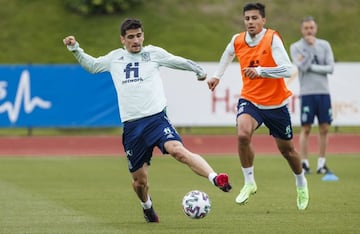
<point>22,98</point>
<point>57,96</point>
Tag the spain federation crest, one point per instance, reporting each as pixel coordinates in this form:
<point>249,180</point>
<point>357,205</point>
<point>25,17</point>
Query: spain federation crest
<point>145,56</point>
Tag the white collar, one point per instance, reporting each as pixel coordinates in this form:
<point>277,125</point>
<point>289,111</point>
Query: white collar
<point>256,39</point>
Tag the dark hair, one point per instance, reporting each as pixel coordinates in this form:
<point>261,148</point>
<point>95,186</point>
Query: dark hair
<point>130,23</point>
<point>255,6</point>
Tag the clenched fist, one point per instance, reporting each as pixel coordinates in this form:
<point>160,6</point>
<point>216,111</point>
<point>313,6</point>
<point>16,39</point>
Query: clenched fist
<point>69,41</point>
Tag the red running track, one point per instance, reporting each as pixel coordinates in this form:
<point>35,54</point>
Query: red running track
<point>112,145</point>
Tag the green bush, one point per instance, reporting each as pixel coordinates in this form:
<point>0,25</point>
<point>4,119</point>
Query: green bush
<point>91,7</point>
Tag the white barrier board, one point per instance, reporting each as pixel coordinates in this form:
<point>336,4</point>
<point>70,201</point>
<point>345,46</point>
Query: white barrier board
<point>191,103</point>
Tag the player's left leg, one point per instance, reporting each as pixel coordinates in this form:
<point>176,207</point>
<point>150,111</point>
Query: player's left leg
<point>288,151</point>
<point>323,140</point>
<point>324,118</point>
<point>197,164</point>
<point>164,135</point>
<point>279,123</point>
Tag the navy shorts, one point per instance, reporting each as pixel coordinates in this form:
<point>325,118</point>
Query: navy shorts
<point>276,120</point>
<point>142,135</point>
<point>316,105</point>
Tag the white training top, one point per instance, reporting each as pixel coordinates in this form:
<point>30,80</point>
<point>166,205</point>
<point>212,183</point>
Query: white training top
<point>314,64</point>
<point>136,77</point>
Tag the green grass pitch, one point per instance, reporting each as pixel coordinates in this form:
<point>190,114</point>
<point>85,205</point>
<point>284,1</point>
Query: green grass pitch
<point>94,195</point>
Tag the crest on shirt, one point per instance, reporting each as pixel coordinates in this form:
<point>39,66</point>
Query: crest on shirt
<point>145,56</point>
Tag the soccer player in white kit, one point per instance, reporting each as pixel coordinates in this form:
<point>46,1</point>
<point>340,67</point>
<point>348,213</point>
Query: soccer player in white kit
<point>142,103</point>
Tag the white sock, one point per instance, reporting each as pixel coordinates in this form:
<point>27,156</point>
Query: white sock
<point>147,204</point>
<point>248,175</point>
<point>321,162</point>
<point>211,177</point>
<point>300,179</point>
<point>306,161</point>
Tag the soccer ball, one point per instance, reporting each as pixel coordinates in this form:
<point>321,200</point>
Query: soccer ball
<point>196,204</point>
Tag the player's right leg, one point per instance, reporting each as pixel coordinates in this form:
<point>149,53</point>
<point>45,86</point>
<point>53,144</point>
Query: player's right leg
<point>141,188</point>
<point>307,116</point>
<point>139,155</point>
<point>247,122</point>
<point>304,142</point>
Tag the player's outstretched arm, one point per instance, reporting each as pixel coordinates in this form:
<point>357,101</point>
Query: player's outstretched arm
<point>91,64</point>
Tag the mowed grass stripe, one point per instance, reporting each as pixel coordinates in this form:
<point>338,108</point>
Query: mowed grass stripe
<point>23,211</point>
<point>94,195</point>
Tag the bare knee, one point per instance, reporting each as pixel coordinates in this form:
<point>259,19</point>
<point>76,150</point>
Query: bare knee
<point>323,129</point>
<point>179,154</point>
<point>243,138</point>
<point>139,182</point>
<point>140,178</point>
<point>286,148</point>
<point>306,129</point>
<point>177,150</point>
<point>287,152</point>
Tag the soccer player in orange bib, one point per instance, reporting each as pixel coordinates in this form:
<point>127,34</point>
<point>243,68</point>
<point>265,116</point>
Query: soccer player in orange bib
<point>264,64</point>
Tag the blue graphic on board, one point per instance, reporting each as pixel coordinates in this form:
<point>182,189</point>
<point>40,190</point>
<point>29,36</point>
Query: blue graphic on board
<point>56,96</point>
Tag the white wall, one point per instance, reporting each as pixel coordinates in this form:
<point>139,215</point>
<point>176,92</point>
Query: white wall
<point>190,102</point>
